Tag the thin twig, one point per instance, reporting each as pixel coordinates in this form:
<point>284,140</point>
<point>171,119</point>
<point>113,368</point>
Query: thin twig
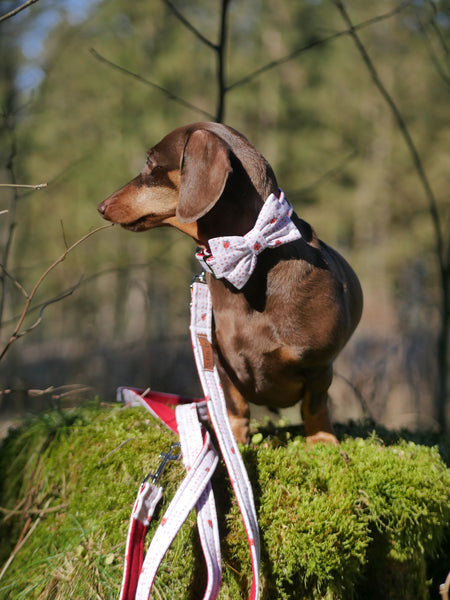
<point>16,333</point>
<point>22,541</point>
<point>284,59</point>
<point>166,92</point>
<point>198,34</point>
<point>39,186</point>
<point>221,56</point>
<point>358,394</point>
<point>219,49</point>
<point>437,29</point>
<point>18,285</point>
<point>17,10</point>
<point>64,234</point>
<point>115,450</point>
<point>402,127</point>
<point>443,254</point>
<point>10,124</point>
<point>433,55</point>
<point>38,321</point>
<point>61,391</point>
<point>327,175</point>
<point>32,511</point>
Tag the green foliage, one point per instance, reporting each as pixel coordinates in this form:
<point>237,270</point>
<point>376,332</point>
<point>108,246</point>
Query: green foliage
<point>315,115</point>
<point>363,520</point>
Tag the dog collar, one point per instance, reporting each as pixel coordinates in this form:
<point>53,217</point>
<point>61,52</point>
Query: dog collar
<point>234,258</point>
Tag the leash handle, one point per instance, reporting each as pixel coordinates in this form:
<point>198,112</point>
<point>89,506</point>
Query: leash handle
<point>200,327</point>
<point>182,503</point>
<point>147,499</point>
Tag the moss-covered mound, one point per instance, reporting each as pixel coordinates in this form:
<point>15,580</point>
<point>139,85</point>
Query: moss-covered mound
<point>364,520</point>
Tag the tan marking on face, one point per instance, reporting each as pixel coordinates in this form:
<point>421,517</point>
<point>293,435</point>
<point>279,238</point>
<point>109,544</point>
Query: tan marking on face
<point>190,229</point>
<point>175,178</point>
<point>136,200</point>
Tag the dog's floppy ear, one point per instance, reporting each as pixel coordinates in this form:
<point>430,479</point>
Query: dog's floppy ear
<point>204,171</point>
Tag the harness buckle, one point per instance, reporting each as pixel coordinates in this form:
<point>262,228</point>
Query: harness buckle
<point>173,454</point>
<point>199,278</point>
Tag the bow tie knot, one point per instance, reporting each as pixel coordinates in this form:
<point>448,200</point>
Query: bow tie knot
<point>234,257</point>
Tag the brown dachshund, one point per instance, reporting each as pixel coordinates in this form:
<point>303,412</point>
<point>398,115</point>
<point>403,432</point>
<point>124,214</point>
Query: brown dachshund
<point>276,338</point>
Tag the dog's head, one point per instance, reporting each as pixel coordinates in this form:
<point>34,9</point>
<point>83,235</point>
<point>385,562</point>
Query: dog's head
<point>184,177</point>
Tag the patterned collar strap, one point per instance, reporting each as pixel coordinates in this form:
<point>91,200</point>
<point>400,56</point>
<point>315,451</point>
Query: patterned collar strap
<point>234,257</point>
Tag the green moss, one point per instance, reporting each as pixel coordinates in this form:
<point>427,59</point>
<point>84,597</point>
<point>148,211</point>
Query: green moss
<point>359,521</point>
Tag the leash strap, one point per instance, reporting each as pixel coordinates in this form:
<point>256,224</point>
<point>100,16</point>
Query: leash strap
<point>200,459</point>
<point>191,443</point>
<point>186,497</point>
<point>144,507</point>
<point>200,327</point>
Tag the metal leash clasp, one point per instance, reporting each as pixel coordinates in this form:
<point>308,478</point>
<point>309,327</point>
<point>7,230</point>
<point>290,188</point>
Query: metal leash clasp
<point>173,454</point>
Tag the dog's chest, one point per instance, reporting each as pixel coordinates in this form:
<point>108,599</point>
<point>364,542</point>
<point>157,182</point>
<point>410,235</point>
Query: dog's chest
<point>252,347</point>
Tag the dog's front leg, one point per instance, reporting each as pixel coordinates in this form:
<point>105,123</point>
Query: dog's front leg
<point>316,419</point>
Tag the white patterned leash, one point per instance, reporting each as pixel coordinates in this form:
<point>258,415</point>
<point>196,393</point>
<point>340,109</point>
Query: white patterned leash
<point>208,528</point>
<point>200,459</point>
<point>201,326</point>
<point>149,495</point>
<point>193,490</point>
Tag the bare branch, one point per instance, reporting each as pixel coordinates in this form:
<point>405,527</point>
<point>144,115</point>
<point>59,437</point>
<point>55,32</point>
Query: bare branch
<point>115,449</point>
<point>219,49</point>
<point>32,511</point>
<point>402,127</point>
<point>15,281</point>
<point>39,186</point>
<point>336,170</point>
<point>221,55</point>
<point>38,321</point>
<point>431,51</point>
<point>164,91</point>
<point>443,255</point>
<point>64,234</point>
<point>437,29</point>
<point>284,59</point>
<point>17,333</point>
<point>23,538</point>
<point>198,34</point>
<point>10,126</point>
<point>17,10</point>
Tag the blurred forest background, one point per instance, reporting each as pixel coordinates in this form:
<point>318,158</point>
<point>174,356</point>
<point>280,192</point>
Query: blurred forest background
<point>350,105</point>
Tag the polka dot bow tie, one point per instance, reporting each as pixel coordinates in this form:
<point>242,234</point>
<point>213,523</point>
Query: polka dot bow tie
<point>234,257</point>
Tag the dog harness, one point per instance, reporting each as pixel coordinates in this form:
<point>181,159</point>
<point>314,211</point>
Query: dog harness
<point>233,258</point>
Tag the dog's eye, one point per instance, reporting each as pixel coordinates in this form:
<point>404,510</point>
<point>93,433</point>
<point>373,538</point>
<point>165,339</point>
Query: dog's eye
<point>150,162</point>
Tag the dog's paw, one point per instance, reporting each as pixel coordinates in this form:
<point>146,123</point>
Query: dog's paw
<point>322,437</point>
